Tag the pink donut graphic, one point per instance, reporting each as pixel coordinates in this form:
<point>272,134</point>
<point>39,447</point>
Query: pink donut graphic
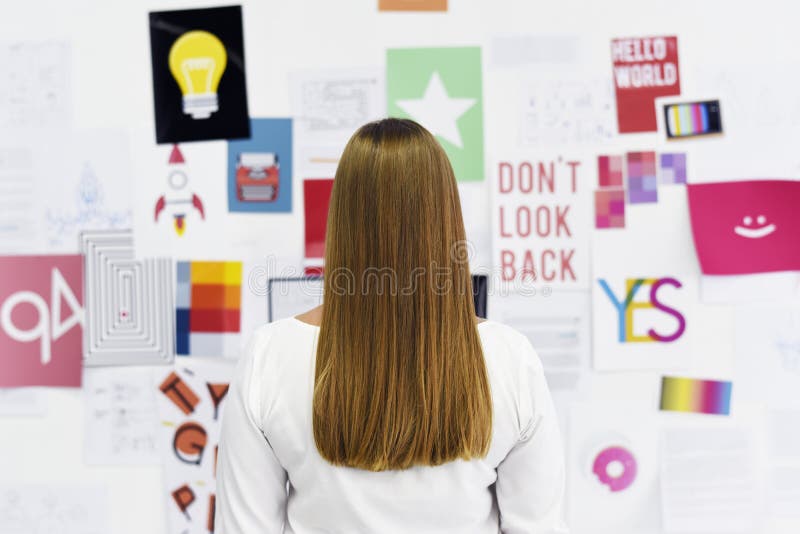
<point>619,456</point>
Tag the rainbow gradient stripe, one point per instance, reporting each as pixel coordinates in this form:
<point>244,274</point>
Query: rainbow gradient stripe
<point>697,396</point>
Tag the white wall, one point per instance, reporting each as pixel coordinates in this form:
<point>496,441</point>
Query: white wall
<point>112,88</point>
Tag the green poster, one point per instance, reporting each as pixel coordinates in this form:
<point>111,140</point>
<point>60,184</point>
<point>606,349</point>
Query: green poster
<point>441,89</point>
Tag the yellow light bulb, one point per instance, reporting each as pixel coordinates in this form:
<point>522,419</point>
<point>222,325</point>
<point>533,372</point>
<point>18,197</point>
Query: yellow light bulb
<point>197,60</point>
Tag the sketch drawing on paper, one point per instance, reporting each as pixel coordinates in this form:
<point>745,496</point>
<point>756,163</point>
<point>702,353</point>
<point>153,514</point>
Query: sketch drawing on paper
<point>129,302</point>
<point>37,508</point>
<point>87,212</point>
<point>121,417</point>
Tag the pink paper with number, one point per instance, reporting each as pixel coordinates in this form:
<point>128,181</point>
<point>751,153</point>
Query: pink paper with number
<point>41,320</point>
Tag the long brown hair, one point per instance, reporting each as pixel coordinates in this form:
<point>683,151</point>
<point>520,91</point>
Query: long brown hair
<point>400,376</point>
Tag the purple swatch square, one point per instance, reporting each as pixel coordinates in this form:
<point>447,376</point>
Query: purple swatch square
<point>672,169</point>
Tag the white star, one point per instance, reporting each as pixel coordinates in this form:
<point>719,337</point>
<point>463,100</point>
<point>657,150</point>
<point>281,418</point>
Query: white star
<point>437,111</point>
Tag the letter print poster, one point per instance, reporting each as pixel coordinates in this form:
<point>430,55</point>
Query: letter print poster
<point>191,398</point>
<point>646,312</point>
<point>644,68</point>
<point>541,221</point>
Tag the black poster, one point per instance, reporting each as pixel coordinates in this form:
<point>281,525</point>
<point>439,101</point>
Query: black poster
<point>199,84</point>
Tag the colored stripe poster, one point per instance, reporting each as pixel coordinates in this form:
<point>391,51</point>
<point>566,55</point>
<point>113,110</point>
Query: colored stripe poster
<point>693,119</point>
<point>692,395</point>
<point>208,308</point>
<point>644,68</point>
<point>41,320</point>
<point>746,227</point>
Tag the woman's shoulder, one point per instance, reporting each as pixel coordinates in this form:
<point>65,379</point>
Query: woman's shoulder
<point>277,334</point>
<point>501,332</point>
<point>505,345</point>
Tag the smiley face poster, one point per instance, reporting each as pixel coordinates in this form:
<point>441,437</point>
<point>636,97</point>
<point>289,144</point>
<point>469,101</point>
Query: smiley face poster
<point>199,86</point>
<point>746,227</point>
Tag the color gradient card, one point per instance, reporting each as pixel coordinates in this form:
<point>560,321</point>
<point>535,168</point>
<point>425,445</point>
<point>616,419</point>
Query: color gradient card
<point>746,227</point>
<point>680,394</point>
<point>642,179</point>
<point>208,308</point>
<point>41,320</point>
<point>441,88</point>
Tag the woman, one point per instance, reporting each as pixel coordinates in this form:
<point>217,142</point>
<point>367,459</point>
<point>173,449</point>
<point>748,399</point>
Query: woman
<point>390,408</point>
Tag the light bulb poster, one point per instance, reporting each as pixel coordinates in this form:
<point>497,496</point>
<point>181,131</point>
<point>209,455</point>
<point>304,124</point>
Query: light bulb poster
<point>199,86</point>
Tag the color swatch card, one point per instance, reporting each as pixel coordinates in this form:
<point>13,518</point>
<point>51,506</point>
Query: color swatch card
<point>644,68</point>
<point>41,320</point>
<point>609,208</point>
<point>609,171</point>
<point>642,179</point>
<point>746,227</point>
<point>693,395</point>
<point>672,168</point>
<point>442,89</point>
<point>208,308</point>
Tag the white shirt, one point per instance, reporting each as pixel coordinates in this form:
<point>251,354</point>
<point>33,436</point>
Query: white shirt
<point>267,440</point>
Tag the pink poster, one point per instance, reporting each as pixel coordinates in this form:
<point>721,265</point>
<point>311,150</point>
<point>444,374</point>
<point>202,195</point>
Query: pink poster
<point>746,227</point>
<point>41,320</point>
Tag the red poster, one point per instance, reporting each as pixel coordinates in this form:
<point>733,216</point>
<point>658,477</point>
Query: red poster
<point>644,69</point>
<point>316,197</point>
<point>746,227</point>
<point>41,320</point>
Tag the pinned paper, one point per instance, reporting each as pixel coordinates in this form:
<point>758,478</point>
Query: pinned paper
<point>644,69</point>
<point>316,198</point>
<point>41,320</point>
<point>746,227</point>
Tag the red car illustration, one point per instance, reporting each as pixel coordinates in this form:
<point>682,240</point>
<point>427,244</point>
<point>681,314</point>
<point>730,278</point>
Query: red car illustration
<point>257,177</point>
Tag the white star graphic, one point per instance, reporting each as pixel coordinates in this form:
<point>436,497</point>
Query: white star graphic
<point>437,111</point>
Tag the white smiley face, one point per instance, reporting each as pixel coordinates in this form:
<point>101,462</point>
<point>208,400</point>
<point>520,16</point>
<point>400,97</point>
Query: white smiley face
<point>754,231</point>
